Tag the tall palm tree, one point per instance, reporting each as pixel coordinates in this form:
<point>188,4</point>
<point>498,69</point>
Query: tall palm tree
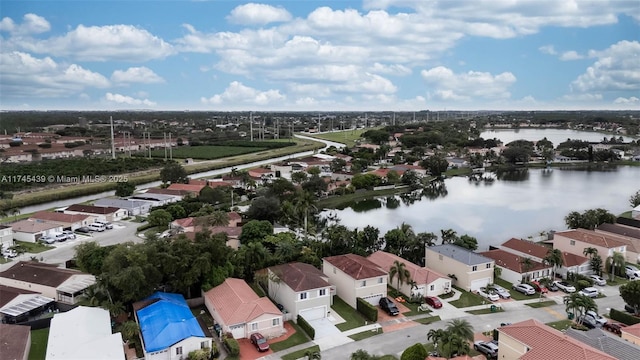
<point>580,304</point>
<point>218,218</point>
<point>303,202</point>
<point>448,236</point>
<point>616,261</point>
<point>15,212</point>
<point>454,345</point>
<point>527,264</point>
<point>590,252</point>
<point>554,258</point>
<point>130,330</point>
<point>399,270</point>
<point>596,264</point>
<point>461,328</point>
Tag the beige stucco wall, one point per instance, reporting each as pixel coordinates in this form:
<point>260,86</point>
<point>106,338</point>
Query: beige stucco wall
<point>510,348</point>
<point>265,325</point>
<point>44,290</point>
<point>348,289</point>
<point>283,294</point>
<point>446,265</point>
<point>565,244</point>
<point>631,338</point>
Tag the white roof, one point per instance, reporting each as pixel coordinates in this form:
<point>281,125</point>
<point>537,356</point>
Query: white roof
<point>84,333</point>
<point>76,283</point>
<point>24,303</point>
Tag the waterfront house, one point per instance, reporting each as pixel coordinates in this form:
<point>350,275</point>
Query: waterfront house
<point>575,241</point>
<point>67,221</point>
<point>356,277</point>
<point>470,270</point>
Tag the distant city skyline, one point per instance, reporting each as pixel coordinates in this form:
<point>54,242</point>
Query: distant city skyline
<point>369,55</point>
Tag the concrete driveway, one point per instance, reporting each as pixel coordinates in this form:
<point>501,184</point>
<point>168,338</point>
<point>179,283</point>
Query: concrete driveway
<point>327,334</point>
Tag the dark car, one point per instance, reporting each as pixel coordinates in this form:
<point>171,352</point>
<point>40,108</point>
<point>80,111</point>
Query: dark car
<point>84,230</point>
<point>259,341</point>
<point>433,301</point>
<point>489,349</point>
<point>588,321</point>
<point>389,306</point>
<point>614,327</point>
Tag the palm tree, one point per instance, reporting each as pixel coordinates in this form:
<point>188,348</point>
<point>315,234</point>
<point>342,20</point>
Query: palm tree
<point>461,328</point>
<point>435,335</point>
<point>448,236</point>
<point>303,202</point>
<point>527,264</point>
<point>554,258</point>
<point>579,304</point>
<point>15,212</point>
<point>454,345</point>
<point>615,261</point>
<point>130,330</point>
<point>590,252</point>
<point>596,264</point>
<point>218,218</point>
<point>399,270</point>
<point>313,355</point>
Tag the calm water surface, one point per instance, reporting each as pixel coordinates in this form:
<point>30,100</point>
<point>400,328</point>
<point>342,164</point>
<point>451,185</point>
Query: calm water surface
<point>556,136</point>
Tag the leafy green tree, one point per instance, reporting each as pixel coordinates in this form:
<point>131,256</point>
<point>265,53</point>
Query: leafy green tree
<point>365,181</point>
<point>376,136</point>
<point>250,258</point>
<point>410,177</point>
<point>393,177</point>
<point>630,293</point>
<point>255,231</point>
<point>400,272</point>
<point>176,211</point>
<point>414,352</point>
<point>299,177</point>
<point>590,219</point>
<point>90,256</point>
<point>467,242</point>
<point>125,188</point>
<point>436,164</point>
<point>264,208</point>
<point>173,173</point>
<point>461,328</point>
<point>281,188</point>
<point>337,165</point>
<point>516,154</point>
<point>634,200</point>
<point>364,355</point>
<point>160,218</point>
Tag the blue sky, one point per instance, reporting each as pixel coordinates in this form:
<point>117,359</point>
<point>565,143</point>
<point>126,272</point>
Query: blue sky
<point>401,55</point>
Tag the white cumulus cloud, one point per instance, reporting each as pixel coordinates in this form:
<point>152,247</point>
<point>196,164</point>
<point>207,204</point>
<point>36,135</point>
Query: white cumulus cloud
<point>615,69</point>
<point>258,14</point>
<point>142,75</point>
<point>127,100</point>
<point>630,101</point>
<point>447,85</point>
<point>237,92</point>
<point>570,55</point>
<point>31,24</point>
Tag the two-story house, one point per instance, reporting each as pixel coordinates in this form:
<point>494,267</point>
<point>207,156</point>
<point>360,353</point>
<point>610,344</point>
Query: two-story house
<point>575,241</point>
<point>356,277</point>
<point>301,289</point>
<point>6,236</point>
<point>470,270</point>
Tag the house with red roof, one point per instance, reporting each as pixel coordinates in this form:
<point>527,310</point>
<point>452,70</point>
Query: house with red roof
<point>533,340</point>
<point>514,269</point>
<point>573,263</point>
<point>104,213</point>
<point>427,282</point>
<point>302,289</point>
<point>355,277</point>
<point>241,312</point>
<point>575,241</point>
<point>68,221</point>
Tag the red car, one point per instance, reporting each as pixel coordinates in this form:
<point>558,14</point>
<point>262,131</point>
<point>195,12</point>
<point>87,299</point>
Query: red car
<point>539,288</point>
<point>259,341</point>
<point>614,327</point>
<point>433,301</point>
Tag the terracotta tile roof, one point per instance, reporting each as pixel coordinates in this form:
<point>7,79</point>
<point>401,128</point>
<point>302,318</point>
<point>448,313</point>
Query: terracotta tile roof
<point>569,259</point>
<point>461,357</point>
<point>14,341</point>
<point>59,217</point>
<point>421,275</point>
<point>234,216</point>
<point>545,342</point>
<point>38,273</point>
<point>231,231</point>
<point>33,226</point>
<point>92,209</point>
<point>8,293</point>
<point>512,262</point>
<point>167,192</point>
<point>592,237</point>
<point>633,330</point>
<point>185,222</point>
<point>237,303</point>
<point>356,266</point>
<point>186,187</point>
<point>300,276</point>
<point>527,247</point>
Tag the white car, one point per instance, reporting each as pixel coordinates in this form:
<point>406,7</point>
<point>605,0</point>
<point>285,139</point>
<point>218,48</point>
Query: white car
<point>632,272</point>
<point>9,253</point>
<point>599,319</point>
<point>502,292</point>
<point>48,239</point>
<point>107,225</point>
<point>70,234</point>
<point>488,294</point>
<point>598,280</point>
<point>565,286</point>
<point>589,291</point>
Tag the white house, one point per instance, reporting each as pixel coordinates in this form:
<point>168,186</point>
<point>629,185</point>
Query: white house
<point>133,207</point>
<point>6,236</point>
<point>356,277</point>
<point>302,290</point>
<point>471,270</point>
<point>103,213</point>
<point>514,269</point>
<point>34,230</point>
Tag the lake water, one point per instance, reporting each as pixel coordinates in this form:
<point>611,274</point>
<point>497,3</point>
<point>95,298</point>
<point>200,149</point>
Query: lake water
<point>556,136</point>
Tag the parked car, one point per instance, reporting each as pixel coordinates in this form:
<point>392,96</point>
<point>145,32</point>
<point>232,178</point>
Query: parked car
<point>489,349</point>
<point>96,227</point>
<point>588,321</point>
<point>488,294</point>
<point>524,288</point>
<point>565,286</point>
<point>107,225</point>
<point>83,230</point>
<point>553,287</point>
<point>259,342</point>
<point>599,319</point>
<point>70,234</point>
<point>538,287</point>
<point>597,280</point>
<point>9,253</point>
<point>433,301</point>
<point>632,272</point>
<point>389,306</point>
<point>48,239</point>
<point>614,327</point>
<point>589,291</point>
<point>502,292</point>
<point>60,237</point>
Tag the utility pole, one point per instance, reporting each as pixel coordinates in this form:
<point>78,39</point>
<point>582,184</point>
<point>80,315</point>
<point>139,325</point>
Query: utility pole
<point>165,144</point>
<point>113,142</point>
<point>251,124</point>
<point>170,148</point>
<point>394,118</point>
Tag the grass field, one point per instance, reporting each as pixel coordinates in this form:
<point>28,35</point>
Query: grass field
<point>542,304</point>
<point>468,299</point>
<point>352,318</point>
<point>366,334</point>
<point>207,152</point>
<point>347,137</point>
<point>301,353</point>
<point>39,340</point>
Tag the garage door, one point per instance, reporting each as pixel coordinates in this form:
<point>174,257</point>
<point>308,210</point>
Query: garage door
<point>373,299</point>
<point>314,313</point>
<point>477,284</point>
<point>237,331</point>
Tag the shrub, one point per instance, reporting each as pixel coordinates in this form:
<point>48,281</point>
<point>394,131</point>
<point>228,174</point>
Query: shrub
<point>304,325</point>
<point>582,284</point>
<point>232,346</point>
<point>369,311</point>
<point>414,352</point>
<point>144,227</point>
<point>623,317</point>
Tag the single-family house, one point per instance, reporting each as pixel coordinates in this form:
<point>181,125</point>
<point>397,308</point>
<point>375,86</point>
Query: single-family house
<point>606,342</point>
<point>34,230</point>
<point>470,270</point>
<point>301,289</point>
<point>515,268</point>
<point>356,277</point>
<point>631,333</point>
<point>64,285</point>
<point>154,199</point>
<point>83,333</point>
<point>261,173</point>
<point>133,207</point>
<point>103,213</point>
<point>531,340</point>
<point>193,189</point>
<point>15,341</point>
<point>573,263</point>
<point>168,329</point>
<point>68,221</point>
<point>428,282</point>
<point>6,236</point>
<point>241,312</point>
<point>17,305</point>
<point>575,241</point>
<point>628,235</point>
<point>176,194</point>
<point>635,213</point>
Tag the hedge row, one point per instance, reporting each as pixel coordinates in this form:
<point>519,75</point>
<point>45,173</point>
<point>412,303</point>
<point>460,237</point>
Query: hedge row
<point>232,346</point>
<point>623,317</point>
<point>144,227</point>
<point>369,311</point>
<point>306,327</point>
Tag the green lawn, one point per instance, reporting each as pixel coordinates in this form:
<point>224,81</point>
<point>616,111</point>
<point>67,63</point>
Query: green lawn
<point>485,311</point>
<point>352,317</point>
<point>207,152</point>
<point>39,340</point>
<point>33,248</point>
<point>365,334</point>
<point>428,320</point>
<point>561,324</point>
<point>413,309</point>
<point>468,299</point>
<point>617,281</point>
<point>515,295</point>
<point>542,304</point>
<point>296,339</point>
<point>300,353</point>
<point>347,137</point>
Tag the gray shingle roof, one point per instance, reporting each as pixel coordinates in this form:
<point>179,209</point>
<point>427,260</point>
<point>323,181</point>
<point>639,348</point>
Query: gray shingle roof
<point>460,254</point>
<point>607,343</point>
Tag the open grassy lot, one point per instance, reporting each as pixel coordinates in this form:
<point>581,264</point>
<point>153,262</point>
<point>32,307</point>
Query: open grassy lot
<point>485,311</point>
<point>352,318</point>
<point>300,337</point>
<point>561,324</point>
<point>301,353</point>
<point>428,319</point>
<point>468,299</point>
<point>542,304</point>
<point>39,340</point>
<point>347,137</point>
<point>32,248</point>
<point>207,152</point>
